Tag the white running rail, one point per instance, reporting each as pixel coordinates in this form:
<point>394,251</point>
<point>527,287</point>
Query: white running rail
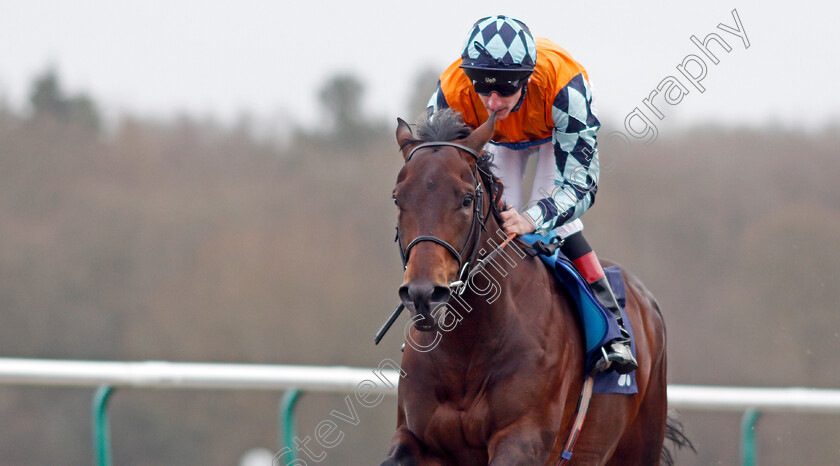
<point>333,379</point>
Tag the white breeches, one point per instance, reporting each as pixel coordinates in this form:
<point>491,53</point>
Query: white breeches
<point>510,168</point>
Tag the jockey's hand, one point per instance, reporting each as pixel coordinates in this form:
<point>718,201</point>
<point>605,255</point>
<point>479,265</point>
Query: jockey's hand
<point>514,222</point>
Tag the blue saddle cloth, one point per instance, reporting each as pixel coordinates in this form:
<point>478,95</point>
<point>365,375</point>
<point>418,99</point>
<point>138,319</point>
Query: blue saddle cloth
<point>599,326</point>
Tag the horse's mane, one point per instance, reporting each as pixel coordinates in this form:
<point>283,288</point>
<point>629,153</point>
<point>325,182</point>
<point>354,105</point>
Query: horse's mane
<point>448,125</point>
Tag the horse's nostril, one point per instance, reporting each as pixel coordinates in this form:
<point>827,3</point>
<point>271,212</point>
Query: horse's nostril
<point>404,297</point>
<point>440,294</point>
<point>423,296</point>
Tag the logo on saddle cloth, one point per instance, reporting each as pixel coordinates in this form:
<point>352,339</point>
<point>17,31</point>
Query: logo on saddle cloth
<point>599,326</point>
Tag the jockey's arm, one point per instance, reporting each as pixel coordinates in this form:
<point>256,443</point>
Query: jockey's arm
<point>576,153</point>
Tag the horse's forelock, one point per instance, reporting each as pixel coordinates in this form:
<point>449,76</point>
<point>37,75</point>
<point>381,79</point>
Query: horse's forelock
<point>448,125</point>
<point>445,125</point>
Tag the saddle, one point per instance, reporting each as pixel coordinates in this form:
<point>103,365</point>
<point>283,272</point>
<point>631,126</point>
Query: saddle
<point>598,325</point>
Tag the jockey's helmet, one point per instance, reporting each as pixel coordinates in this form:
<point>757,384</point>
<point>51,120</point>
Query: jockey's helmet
<point>499,55</point>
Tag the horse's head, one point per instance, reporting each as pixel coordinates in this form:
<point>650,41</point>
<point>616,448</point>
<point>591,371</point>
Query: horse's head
<point>440,197</point>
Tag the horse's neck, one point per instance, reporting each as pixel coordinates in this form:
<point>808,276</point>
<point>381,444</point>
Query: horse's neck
<point>486,308</point>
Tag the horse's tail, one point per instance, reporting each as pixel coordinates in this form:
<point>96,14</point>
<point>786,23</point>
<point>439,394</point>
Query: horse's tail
<point>674,433</point>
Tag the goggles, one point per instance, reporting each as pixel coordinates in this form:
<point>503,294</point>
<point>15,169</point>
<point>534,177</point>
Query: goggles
<point>504,82</point>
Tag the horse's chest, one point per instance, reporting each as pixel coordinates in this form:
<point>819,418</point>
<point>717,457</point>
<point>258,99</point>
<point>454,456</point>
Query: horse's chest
<point>456,426</point>
<point>451,431</point>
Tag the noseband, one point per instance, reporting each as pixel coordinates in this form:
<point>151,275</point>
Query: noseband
<point>477,225</point>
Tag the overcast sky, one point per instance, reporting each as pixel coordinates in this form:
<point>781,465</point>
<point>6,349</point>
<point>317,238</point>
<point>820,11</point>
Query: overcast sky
<point>268,58</point>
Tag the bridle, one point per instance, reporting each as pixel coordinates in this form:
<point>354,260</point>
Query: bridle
<point>479,221</point>
<point>471,266</point>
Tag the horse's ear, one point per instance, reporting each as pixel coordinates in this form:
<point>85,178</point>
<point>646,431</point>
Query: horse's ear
<point>482,134</point>
<point>404,137</point>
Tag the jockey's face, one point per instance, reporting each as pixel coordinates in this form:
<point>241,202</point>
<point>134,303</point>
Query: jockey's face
<point>495,102</point>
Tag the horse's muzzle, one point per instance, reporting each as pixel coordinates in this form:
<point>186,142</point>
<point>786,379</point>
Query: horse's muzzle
<point>424,298</point>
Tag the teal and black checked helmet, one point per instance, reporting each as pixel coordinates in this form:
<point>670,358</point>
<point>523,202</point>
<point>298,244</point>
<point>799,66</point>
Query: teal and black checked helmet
<point>499,55</point>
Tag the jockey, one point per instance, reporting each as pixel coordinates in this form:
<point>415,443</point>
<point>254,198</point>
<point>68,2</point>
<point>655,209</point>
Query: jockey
<point>543,104</point>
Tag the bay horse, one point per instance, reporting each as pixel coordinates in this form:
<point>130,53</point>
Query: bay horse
<point>499,384</point>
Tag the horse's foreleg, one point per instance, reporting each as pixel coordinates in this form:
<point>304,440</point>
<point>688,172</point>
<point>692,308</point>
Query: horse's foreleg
<point>522,443</point>
<point>405,450</point>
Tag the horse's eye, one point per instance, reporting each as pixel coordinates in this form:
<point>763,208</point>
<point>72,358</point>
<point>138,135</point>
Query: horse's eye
<point>394,197</point>
<point>467,200</point>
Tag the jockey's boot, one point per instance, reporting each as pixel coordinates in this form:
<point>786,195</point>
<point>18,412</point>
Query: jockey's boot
<point>615,355</point>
